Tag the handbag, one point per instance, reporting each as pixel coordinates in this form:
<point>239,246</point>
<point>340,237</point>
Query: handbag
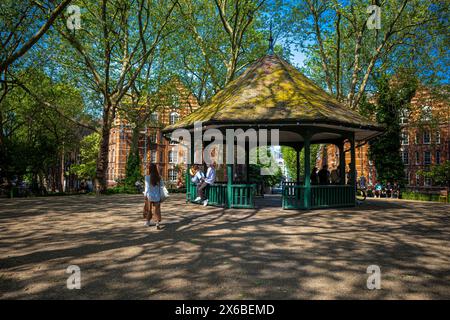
<point>163,192</point>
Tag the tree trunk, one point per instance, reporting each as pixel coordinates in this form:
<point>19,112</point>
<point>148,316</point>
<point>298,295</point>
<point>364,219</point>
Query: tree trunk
<point>62,172</point>
<point>102,162</point>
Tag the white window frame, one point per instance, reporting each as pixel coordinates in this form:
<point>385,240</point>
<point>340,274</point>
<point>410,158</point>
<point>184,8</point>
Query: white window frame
<point>404,116</point>
<point>427,113</point>
<point>425,158</point>
<point>172,175</point>
<point>153,155</point>
<point>173,156</point>
<point>417,180</point>
<point>428,133</point>
<point>171,119</point>
<point>438,157</point>
<point>405,157</point>
<point>154,116</point>
<point>404,137</point>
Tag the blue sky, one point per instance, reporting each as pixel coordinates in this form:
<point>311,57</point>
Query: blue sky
<point>298,58</point>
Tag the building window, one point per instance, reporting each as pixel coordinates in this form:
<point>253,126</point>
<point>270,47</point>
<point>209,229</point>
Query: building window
<point>404,116</point>
<point>172,156</point>
<point>417,158</point>
<point>154,117</point>
<point>173,175</point>
<point>404,138</point>
<point>405,157</point>
<point>175,101</point>
<point>153,138</point>
<point>438,137</point>
<point>174,117</point>
<point>438,157</point>
<point>426,137</point>
<point>161,156</point>
<point>426,113</point>
<point>153,156</point>
<point>427,158</point>
<point>417,180</point>
<point>417,138</point>
<point>427,182</point>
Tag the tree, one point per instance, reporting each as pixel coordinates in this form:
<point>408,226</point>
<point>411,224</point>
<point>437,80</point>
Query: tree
<point>23,23</point>
<point>87,167</point>
<point>217,40</point>
<point>36,137</point>
<point>440,173</point>
<point>343,53</point>
<point>290,159</point>
<point>118,43</point>
<point>394,95</point>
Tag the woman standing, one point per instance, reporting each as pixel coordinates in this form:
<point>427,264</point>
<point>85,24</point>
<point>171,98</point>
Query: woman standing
<point>153,185</point>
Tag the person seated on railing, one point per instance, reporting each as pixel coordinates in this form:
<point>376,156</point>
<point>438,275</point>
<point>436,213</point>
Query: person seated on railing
<point>197,175</point>
<point>324,175</point>
<point>314,176</point>
<point>206,182</point>
<point>193,170</point>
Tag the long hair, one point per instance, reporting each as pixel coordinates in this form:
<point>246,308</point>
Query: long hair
<point>155,178</point>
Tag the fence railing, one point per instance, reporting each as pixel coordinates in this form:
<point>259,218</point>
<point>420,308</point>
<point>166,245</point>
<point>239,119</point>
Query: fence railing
<point>321,196</point>
<point>243,195</point>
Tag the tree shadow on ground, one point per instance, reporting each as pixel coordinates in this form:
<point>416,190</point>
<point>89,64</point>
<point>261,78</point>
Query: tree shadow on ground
<point>212,253</point>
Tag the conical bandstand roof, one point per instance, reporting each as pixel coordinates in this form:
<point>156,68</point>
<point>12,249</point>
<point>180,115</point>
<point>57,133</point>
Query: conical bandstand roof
<point>271,91</point>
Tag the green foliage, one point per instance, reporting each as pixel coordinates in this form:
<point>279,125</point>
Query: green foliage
<point>394,95</point>
<point>88,152</point>
<point>412,195</point>
<point>35,134</point>
<point>133,169</point>
<point>290,159</point>
<point>439,174</point>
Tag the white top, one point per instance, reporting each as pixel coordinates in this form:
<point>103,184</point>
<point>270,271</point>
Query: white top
<point>210,175</point>
<point>198,177</point>
<point>153,193</point>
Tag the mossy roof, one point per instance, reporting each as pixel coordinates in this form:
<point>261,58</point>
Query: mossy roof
<point>270,91</point>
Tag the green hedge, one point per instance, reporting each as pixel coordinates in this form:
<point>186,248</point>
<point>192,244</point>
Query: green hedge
<point>122,189</point>
<point>411,195</point>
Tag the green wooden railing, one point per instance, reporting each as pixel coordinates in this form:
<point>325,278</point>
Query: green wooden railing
<point>293,196</point>
<point>243,195</point>
<point>217,195</point>
<point>329,196</point>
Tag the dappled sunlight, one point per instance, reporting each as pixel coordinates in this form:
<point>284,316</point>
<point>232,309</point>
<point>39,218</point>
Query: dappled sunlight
<point>213,253</point>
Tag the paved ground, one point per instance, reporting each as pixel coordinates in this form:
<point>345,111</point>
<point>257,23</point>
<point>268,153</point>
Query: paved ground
<point>221,254</point>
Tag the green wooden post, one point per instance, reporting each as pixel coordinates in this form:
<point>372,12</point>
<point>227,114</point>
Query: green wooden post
<point>342,162</point>
<point>188,167</point>
<point>229,183</point>
<point>298,165</point>
<point>247,162</point>
<point>307,198</point>
<point>353,165</point>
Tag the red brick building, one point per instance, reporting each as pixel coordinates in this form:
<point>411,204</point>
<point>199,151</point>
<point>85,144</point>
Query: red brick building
<point>151,141</point>
<point>425,141</point>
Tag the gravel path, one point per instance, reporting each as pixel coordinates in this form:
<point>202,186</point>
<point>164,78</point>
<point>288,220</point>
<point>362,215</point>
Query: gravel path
<point>211,253</point>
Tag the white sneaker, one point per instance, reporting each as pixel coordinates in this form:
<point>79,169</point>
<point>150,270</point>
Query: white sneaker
<point>197,199</point>
<point>147,224</point>
<point>205,203</point>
